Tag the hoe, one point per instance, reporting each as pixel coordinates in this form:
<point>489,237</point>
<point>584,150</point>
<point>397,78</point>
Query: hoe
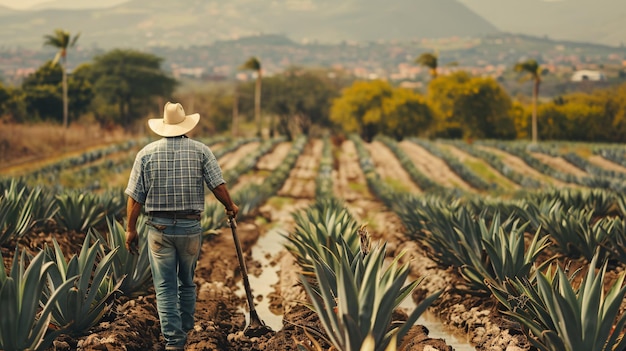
<point>256,327</point>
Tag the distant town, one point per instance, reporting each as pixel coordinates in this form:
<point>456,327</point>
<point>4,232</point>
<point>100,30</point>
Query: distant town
<point>565,63</point>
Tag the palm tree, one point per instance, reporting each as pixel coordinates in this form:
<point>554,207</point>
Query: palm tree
<point>430,60</point>
<point>253,64</point>
<point>62,41</point>
<point>533,70</point>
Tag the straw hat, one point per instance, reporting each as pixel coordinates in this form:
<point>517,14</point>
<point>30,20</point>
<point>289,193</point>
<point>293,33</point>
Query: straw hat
<point>174,122</point>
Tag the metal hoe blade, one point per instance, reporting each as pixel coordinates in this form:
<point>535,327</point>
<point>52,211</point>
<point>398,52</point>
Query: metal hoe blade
<point>256,327</point>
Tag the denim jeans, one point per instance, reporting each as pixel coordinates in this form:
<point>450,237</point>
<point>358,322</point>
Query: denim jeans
<point>174,250</point>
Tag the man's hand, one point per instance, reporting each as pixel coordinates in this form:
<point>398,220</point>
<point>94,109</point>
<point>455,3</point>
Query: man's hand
<point>132,242</point>
<point>233,211</point>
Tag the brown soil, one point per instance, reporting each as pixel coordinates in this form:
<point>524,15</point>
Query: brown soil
<point>559,164</point>
<point>604,163</point>
<point>232,158</point>
<point>491,174</point>
<point>433,167</point>
<point>521,167</point>
<point>389,167</point>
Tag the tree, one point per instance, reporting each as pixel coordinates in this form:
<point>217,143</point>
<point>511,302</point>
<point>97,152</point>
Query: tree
<point>254,64</point>
<point>471,107</point>
<point>430,60</point>
<point>376,107</point>
<point>533,71</point>
<point>300,98</point>
<point>62,40</point>
<point>130,80</point>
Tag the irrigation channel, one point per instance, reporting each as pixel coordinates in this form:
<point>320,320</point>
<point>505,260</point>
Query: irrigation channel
<point>265,252</point>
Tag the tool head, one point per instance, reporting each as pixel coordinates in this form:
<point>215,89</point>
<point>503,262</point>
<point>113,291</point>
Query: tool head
<point>256,327</point>
<point>251,331</point>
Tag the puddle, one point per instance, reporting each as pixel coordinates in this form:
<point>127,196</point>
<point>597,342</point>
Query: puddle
<point>271,243</point>
<point>436,329</point>
<point>267,246</point>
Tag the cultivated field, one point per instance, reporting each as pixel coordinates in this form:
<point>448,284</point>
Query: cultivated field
<point>474,221</point>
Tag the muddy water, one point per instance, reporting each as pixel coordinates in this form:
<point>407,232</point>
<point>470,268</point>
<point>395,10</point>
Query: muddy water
<point>271,244</point>
<point>436,329</point>
<point>268,246</point>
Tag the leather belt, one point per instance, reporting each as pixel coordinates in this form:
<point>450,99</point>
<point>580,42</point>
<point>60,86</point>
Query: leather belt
<point>177,214</point>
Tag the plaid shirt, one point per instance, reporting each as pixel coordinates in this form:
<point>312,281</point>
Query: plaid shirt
<point>169,175</point>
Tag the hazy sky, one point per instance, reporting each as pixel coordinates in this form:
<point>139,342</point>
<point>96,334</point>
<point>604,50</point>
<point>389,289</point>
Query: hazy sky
<point>20,4</point>
<point>25,4</point>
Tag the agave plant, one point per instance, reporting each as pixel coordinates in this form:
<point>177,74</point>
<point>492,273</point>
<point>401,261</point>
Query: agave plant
<point>16,208</point>
<point>23,323</point>
<point>506,255</point>
<point>134,270</point>
<point>555,316</point>
<point>213,218</point>
<point>78,211</point>
<point>83,304</point>
<point>572,232</point>
<point>366,295</point>
<point>324,231</point>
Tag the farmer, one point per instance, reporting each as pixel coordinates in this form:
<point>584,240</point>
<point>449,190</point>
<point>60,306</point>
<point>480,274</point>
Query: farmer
<point>168,179</point>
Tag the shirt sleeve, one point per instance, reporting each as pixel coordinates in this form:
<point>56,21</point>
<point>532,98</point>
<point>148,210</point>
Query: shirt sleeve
<point>211,170</point>
<point>136,186</point>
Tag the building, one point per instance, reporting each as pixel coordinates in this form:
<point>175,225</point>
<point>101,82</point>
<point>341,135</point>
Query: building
<point>588,75</point>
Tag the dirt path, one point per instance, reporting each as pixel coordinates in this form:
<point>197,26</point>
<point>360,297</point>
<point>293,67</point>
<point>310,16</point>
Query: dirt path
<point>301,181</point>
<point>433,167</point>
<point>485,170</point>
<point>269,162</point>
<point>606,164</point>
<point>521,167</point>
<point>348,179</point>
<point>390,168</point>
<point>230,159</point>
<point>266,164</point>
<point>559,164</point>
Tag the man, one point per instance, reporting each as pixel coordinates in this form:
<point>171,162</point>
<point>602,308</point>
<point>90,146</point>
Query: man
<point>168,179</point>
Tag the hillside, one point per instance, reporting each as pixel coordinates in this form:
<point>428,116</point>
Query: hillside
<point>597,21</point>
<point>141,23</point>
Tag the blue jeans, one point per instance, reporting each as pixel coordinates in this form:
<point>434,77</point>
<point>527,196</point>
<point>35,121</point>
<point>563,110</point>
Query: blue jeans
<point>174,250</point>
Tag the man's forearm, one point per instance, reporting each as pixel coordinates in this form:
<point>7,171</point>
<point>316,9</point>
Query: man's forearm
<point>222,195</point>
<point>133,210</point>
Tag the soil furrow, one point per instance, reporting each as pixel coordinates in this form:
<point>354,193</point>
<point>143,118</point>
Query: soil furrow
<point>433,167</point>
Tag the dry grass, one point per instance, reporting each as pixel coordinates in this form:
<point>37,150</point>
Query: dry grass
<point>31,144</point>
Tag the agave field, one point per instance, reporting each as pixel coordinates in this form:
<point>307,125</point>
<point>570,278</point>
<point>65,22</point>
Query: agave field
<point>511,246</point>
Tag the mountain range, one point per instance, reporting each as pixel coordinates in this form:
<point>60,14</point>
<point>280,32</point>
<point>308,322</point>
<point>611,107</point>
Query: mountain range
<point>143,23</point>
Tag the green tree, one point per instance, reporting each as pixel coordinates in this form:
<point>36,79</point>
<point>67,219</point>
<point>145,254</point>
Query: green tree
<point>5,98</point>
<point>533,72</point>
<point>471,107</point>
<point>254,64</point>
<point>42,93</point>
<point>300,98</point>
<point>130,80</point>
<point>430,60</point>
<point>62,40</point>
<point>376,107</point>
<point>408,114</point>
<point>42,97</point>
<point>80,88</point>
